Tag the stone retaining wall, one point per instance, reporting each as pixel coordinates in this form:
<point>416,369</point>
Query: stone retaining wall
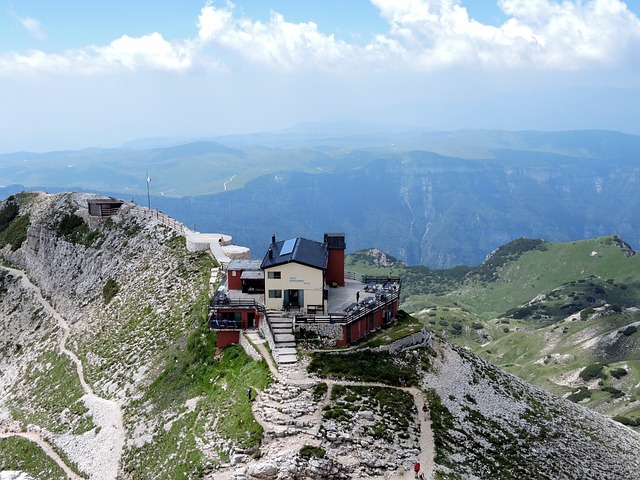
<point>415,340</point>
<point>332,331</point>
<point>265,331</point>
<point>249,348</point>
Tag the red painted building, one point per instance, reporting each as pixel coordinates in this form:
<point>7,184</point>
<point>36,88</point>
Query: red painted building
<point>367,320</point>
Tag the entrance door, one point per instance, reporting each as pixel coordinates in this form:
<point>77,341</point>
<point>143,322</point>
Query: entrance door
<point>251,320</point>
<point>294,298</point>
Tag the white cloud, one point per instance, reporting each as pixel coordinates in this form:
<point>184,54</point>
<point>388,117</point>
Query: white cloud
<point>276,42</point>
<point>423,35</point>
<point>537,33</point>
<point>33,27</point>
<point>151,52</point>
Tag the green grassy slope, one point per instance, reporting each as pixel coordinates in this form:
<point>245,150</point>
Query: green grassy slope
<point>543,311</point>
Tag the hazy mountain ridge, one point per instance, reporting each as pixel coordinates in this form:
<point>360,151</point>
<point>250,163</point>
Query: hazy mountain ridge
<point>434,198</point>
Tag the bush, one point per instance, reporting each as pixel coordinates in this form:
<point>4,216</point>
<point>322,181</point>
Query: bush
<point>618,373</point>
<point>15,233</point>
<point>8,213</point>
<point>584,314</point>
<point>579,395</point>
<point>364,366</point>
<point>615,393</point>
<point>110,290</point>
<point>309,451</point>
<point>592,371</point>
<point>319,391</point>
<point>74,230</point>
<point>630,330</point>
<point>627,421</point>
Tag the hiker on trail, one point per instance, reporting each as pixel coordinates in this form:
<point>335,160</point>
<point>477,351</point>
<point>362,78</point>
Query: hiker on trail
<point>416,468</point>
<point>249,394</point>
<point>425,409</point>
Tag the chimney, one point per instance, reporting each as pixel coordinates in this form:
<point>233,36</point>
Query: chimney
<point>270,252</point>
<point>273,239</point>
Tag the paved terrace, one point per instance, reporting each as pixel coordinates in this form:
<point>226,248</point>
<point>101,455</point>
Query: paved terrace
<point>340,298</point>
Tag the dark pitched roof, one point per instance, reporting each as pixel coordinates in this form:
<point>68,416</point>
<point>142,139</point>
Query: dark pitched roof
<point>300,250</point>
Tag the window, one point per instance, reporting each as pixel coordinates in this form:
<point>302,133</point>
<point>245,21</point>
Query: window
<point>275,293</point>
<point>275,275</point>
<point>233,273</point>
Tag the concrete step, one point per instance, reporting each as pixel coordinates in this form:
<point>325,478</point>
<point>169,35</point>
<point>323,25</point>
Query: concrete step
<point>286,345</point>
<point>282,327</point>
<point>280,321</point>
<point>287,359</point>
<point>285,350</point>
<point>284,337</point>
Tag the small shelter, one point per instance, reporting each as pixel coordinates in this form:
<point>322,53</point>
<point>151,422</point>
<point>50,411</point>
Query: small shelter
<point>104,207</point>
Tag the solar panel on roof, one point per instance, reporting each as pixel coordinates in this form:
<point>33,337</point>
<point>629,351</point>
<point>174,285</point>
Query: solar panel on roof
<point>288,246</point>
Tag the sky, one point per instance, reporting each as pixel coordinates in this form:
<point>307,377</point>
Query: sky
<point>81,73</point>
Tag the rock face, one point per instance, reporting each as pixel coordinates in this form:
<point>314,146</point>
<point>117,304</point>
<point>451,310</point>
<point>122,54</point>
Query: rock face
<point>490,422</point>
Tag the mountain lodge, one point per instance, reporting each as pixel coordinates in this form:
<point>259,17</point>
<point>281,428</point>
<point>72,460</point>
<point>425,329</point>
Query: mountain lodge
<point>301,284</point>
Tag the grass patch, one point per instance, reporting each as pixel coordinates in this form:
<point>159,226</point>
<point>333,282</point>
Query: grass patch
<point>366,366</point>
<point>20,454</point>
<point>404,325</point>
<point>110,290</point>
<point>52,390</point>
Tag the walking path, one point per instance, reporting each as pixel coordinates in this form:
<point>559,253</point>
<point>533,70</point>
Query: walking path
<point>100,455</point>
<point>302,425</point>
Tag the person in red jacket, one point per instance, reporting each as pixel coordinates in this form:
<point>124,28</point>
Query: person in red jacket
<point>416,468</point>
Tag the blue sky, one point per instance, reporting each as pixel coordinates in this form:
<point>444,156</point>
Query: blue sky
<point>86,73</point>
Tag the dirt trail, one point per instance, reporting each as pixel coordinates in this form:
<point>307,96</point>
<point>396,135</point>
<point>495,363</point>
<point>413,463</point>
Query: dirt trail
<point>99,456</point>
<point>46,448</point>
<point>298,375</point>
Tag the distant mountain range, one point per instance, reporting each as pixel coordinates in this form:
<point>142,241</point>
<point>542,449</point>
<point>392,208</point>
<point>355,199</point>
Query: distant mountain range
<point>432,198</point>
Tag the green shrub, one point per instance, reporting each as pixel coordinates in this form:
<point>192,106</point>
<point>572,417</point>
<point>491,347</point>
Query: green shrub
<point>580,394</point>
<point>15,233</point>
<point>75,230</point>
<point>592,371</point>
<point>8,213</point>
<point>615,393</point>
<point>308,451</point>
<point>618,373</point>
<point>110,290</point>
<point>365,366</point>
<point>319,391</point>
<point>630,330</point>
<point>627,421</point>
<point>584,314</point>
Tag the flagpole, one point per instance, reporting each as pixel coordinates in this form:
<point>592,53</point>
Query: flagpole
<point>148,197</point>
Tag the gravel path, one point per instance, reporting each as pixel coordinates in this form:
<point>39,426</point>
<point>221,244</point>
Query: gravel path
<point>98,454</point>
<point>297,375</point>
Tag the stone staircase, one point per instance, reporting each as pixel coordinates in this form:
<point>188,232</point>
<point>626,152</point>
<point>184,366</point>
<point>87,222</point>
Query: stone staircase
<point>285,342</point>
